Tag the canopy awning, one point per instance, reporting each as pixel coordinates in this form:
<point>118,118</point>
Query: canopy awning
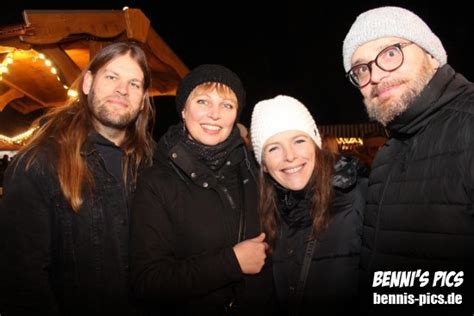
<point>41,59</point>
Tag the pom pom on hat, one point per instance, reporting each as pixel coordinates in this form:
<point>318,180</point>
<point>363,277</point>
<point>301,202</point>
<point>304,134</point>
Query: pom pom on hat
<point>391,22</point>
<point>280,114</point>
<point>209,73</point>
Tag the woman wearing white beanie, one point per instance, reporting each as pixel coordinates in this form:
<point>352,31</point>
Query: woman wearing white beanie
<point>311,210</point>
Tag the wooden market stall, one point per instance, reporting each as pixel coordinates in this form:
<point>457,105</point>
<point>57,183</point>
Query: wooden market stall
<point>40,59</point>
<point>362,140</point>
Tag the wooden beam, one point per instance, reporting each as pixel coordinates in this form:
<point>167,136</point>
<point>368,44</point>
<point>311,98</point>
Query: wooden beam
<point>15,31</point>
<point>69,70</point>
<point>29,95</point>
<point>137,24</point>
<point>25,109</point>
<point>53,26</point>
<point>95,47</point>
<point>10,95</point>
<point>8,44</point>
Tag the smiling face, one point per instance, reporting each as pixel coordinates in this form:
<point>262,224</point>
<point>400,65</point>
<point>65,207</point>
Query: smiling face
<point>289,157</point>
<point>210,113</point>
<point>390,93</point>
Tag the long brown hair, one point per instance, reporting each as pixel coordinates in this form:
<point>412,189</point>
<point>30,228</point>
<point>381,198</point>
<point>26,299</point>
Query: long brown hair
<point>320,184</point>
<point>67,128</point>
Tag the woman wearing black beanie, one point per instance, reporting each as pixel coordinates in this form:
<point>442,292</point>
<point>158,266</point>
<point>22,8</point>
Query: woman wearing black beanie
<point>197,248</point>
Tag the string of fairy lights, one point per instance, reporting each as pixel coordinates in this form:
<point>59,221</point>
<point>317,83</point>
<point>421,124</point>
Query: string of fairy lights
<point>4,69</point>
<point>5,63</point>
<point>347,143</point>
<point>18,139</point>
<point>10,59</point>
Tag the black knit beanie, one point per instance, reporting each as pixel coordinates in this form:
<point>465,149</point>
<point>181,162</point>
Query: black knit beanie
<point>209,73</point>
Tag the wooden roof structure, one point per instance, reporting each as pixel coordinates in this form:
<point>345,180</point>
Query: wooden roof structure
<point>41,59</point>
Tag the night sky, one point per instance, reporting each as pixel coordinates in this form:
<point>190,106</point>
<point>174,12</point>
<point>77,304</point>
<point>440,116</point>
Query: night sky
<point>292,48</point>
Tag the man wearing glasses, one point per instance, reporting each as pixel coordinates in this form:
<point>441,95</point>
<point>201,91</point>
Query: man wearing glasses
<point>420,206</point>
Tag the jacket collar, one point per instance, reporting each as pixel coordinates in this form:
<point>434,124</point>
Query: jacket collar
<point>440,91</point>
<point>171,151</point>
<point>95,138</point>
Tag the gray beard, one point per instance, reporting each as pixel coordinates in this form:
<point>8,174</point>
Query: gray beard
<point>387,112</point>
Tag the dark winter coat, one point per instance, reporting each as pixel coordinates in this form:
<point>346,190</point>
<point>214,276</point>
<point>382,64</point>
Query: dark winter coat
<point>185,225</point>
<point>332,282</point>
<point>420,212</point>
<point>57,261</point>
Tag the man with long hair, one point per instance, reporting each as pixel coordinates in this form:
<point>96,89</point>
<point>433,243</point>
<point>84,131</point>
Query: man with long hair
<point>64,221</point>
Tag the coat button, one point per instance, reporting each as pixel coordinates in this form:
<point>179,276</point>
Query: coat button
<point>193,174</point>
<point>228,163</point>
<point>174,155</point>
<point>205,184</point>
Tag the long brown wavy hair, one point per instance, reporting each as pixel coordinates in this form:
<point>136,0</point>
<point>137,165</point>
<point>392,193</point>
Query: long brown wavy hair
<point>320,184</point>
<point>67,128</point>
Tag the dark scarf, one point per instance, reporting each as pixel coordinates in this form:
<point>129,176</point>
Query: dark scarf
<point>294,207</point>
<point>214,156</point>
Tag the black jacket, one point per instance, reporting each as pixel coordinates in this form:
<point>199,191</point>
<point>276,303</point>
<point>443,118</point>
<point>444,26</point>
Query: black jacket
<point>332,282</point>
<point>420,212</point>
<point>56,261</point>
<point>184,227</point>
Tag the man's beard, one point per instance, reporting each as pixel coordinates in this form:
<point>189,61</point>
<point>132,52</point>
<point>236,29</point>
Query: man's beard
<point>105,116</point>
<point>385,112</point>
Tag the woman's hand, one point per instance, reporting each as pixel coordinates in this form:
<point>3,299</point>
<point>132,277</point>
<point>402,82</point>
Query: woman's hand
<point>251,254</point>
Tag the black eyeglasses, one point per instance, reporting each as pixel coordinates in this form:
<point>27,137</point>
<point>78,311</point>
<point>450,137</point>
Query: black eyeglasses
<point>389,59</point>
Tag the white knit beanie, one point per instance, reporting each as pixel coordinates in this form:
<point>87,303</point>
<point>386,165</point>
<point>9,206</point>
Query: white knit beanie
<point>391,22</point>
<point>280,114</point>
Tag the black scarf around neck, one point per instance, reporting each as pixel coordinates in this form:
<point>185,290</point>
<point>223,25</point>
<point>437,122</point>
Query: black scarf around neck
<point>294,208</point>
<point>212,156</point>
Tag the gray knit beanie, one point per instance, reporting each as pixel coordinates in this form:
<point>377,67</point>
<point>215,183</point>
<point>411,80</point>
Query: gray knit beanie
<point>391,22</point>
